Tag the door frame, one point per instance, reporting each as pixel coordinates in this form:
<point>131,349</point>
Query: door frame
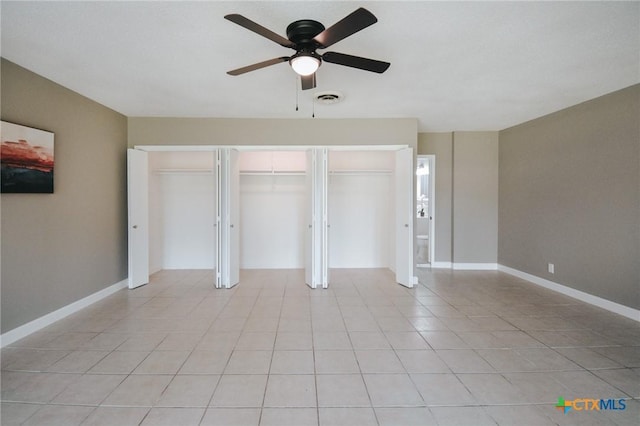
<point>432,205</point>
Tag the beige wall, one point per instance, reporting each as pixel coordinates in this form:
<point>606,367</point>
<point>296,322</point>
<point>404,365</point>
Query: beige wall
<point>466,199</point>
<point>475,197</point>
<point>570,195</point>
<point>238,131</point>
<point>58,248</point>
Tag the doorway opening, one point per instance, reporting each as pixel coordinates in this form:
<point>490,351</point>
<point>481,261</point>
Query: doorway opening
<point>425,208</point>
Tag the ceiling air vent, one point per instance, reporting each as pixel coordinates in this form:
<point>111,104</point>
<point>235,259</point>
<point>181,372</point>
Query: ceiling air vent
<point>328,98</point>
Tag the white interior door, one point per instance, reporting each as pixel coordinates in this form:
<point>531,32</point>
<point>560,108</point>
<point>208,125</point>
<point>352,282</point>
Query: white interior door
<point>138,217</point>
<point>230,218</point>
<point>404,216</point>
<point>309,240</point>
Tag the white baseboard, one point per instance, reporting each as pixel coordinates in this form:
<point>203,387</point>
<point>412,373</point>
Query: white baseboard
<point>38,324</point>
<point>465,266</point>
<point>475,266</point>
<point>614,307</point>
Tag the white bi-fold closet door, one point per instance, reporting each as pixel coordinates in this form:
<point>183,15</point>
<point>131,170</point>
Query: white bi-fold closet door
<point>222,227</point>
<point>138,217</point>
<point>347,190</point>
<point>228,235</point>
<point>317,217</point>
<point>183,213</point>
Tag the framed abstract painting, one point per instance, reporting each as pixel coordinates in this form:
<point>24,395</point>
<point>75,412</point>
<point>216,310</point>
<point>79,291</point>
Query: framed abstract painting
<point>26,157</point>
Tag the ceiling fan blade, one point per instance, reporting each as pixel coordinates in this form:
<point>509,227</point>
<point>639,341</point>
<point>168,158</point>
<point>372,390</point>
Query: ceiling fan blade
<point>356,21</point>
<point>259,29</point>
<point>308,81</point>
<point>259,65</point>
<point>356,62</point>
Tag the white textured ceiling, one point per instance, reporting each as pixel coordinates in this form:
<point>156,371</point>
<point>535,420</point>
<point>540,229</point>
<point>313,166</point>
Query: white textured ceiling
<point>454,65</point>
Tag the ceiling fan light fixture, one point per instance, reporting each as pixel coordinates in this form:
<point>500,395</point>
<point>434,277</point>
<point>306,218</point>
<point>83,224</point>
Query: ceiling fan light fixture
<point>304,64</point>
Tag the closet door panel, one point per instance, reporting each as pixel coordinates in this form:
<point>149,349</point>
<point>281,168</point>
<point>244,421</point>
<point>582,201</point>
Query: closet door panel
<point>309,240</point>
<point>217,174</point>
<point>230,220</point>
<point>138,217</point>
<point>234,214</point>
<point>323,193</point>
<point>404,216</point>
<point>317,237</point>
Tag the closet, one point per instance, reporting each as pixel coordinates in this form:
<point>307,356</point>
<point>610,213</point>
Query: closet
<point>311,208</point>
<point>361,203</point>
<point>272,209</point>
<point>182,210</point>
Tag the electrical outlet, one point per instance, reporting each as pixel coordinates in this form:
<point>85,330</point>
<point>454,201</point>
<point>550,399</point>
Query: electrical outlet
<point>551,268</point>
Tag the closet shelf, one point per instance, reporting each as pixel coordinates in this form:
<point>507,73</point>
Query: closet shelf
<point>359,172</point>
<point>183,171</point>
<point>272,173</point>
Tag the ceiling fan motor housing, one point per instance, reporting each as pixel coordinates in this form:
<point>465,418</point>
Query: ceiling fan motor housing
<point>303,31</point>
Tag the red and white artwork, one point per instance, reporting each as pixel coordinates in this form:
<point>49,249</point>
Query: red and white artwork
<point>27,159</point>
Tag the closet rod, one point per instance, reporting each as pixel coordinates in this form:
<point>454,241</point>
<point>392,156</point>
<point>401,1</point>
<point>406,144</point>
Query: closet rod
<point>271,173</point>
<point>183,171</point>
<point>359,172</point>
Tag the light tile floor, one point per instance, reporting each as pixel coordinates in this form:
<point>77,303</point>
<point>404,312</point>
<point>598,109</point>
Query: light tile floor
<point>468,348</point>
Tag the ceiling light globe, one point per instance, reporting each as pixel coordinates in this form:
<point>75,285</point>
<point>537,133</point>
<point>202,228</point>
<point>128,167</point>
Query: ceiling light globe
<point>305,65</point>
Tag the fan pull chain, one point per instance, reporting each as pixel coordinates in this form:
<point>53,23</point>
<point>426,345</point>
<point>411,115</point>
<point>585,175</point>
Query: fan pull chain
<point>296,80</point>
<point>313,107</point>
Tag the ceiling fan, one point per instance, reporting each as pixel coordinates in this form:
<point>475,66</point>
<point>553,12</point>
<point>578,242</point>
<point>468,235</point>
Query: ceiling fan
<point>305,37</point>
